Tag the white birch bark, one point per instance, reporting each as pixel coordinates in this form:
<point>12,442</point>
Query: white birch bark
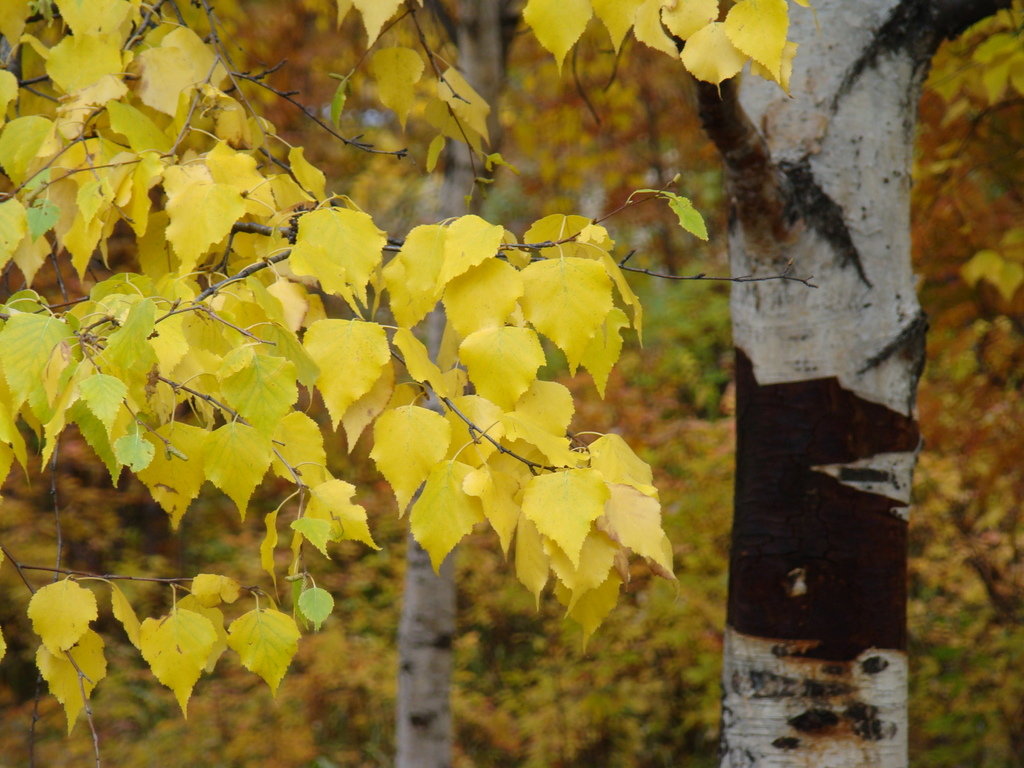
<point>841,149</point>
<point>423,737</point>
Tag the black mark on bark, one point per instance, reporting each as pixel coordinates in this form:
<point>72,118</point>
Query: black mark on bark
<point>786,742</point>
<point>872,665</point>
<point>822,214</point>
<point>814,720</point>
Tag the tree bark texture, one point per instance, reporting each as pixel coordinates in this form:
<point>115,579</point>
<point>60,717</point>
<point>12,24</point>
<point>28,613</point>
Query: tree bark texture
<point>482,30</point>
<point>815,667</point>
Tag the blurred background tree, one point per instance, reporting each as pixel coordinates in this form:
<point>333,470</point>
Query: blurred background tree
<point>646,691</point>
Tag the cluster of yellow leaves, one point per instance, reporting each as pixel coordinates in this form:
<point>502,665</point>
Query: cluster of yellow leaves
<point>713,42</point>
<point>178,647</point>
<point>189,369</point>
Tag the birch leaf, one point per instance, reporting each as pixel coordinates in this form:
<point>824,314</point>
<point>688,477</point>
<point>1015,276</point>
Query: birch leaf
<point>265,640</point>
<point>563,505</point>
<point>60,614</point>
<point>176,647</point>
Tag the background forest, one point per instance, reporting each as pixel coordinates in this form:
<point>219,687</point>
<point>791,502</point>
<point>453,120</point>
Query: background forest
<point>646,690</point>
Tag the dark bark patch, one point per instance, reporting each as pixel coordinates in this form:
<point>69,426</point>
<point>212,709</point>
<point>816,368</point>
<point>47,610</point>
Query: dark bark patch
<point>442,642</point>
<point>422,719</point>
<point>872,665</point>
<point>814,720</point>
<point>865,722</point>
<point>849,545</point>
<point>786,742</point>
<point>822,214</point>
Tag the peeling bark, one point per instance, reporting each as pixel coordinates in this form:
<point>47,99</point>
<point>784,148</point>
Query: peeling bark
<point>815,661</point>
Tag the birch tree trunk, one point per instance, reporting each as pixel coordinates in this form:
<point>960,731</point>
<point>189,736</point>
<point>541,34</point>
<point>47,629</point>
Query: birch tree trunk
<point>815,668</point>
<point>481,30</point>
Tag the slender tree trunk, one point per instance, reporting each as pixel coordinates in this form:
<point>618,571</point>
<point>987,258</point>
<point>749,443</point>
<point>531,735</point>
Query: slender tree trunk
<point>482,30</point>
<point>815,668</point>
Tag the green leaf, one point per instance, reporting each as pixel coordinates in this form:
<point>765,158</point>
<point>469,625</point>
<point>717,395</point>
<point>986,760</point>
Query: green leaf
<point>134,450</point>
<point>265,640</point>
<point>316,605</point>
<point>26,343</point>
<point>316,532</point>
<point>338,100</point>
<point>235,458</point>
<point>260,387</point>
<point>689,217</point>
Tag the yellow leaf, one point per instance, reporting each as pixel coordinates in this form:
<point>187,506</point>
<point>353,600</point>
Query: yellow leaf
<point>268,544</point>
<point>180,63</point>
<point>216,618</point>
<point>648,29</point>
<point>22,141</point>
<point>596,559</point>
<point>332,500</point>
<point>238,170</point>
<point>13,228</point>
<point>235,458</point>
<point>434,152</point>
<point>541,417</point>
<point>531,559</point>
<point>407,442</point>
<point>375,13</point>
<point>633,519</point>
<point>498,491</point>
<point>8,92</point>
<point>444,513</point>
<point>592,608</point>
<point>368,407</point>
<point>63,678</point>
<point>3,646</point>
<point>97,17</point>
<point>417,360</point>
<point>473,448</point>
<point>260,387</point>
<point>758,28</point>
<point>363,350</point>
<point>411,277</point>
<point>469,241</point>
<point>299,440</point>
<point>468,106</point>
<point>211,589</point>
<point>603,350</point>
<point>617,17</point>
<point>176,647</point>
<point>557,24</point>
<point>175,475</point>
<point>310,177</point>
<point>567,300</point>
<point>684,17</point>
<point>60,614</point>
<point>397,70</point>
<point>341,248</point>
<point>709,55</point>
<point>615,460</point>
<point>563,505</point>
<point>137,127</point>
<point>785,69</point>
<point>201,211</point>
<point>12,18</point>
<point>482,297</point>
<point>124,613</point>
<point>80,60</point>
<point>502,362</point>
<point>265,640</point>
